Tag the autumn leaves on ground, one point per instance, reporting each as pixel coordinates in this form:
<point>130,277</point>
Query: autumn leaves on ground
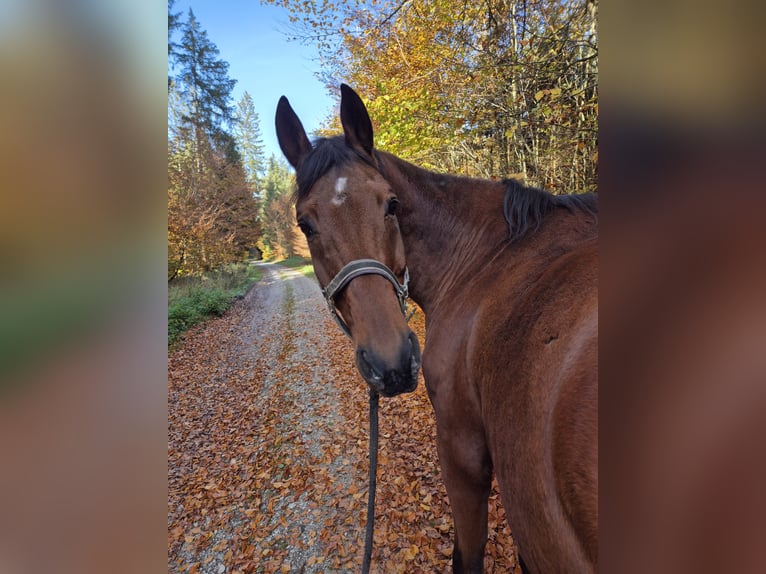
<point>267,450</point>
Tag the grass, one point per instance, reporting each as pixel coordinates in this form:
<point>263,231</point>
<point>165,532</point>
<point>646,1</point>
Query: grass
<point>300,264</point>
<point>192,300</point>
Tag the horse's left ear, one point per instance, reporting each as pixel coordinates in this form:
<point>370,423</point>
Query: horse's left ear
<point>355,120</point>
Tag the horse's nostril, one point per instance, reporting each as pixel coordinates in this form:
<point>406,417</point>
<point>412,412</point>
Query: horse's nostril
<point>414,347</point>
<point>364,360</point>
<point>367,366</point>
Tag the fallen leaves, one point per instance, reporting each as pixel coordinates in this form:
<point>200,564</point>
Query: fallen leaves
<point>267,451</point>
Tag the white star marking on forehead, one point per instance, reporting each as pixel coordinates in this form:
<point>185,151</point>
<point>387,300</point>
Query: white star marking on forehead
<point>340,191</point>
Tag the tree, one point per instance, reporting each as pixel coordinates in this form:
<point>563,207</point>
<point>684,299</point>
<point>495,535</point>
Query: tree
<point>212,213</point>
<point>173,26</point>
<point>247,133</point>
<point>491,88</point>
<point>203,79</point>
<point>278,217</point>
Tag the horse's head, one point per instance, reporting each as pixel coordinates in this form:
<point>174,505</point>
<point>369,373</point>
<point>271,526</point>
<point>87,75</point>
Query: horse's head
<point>348,212</point>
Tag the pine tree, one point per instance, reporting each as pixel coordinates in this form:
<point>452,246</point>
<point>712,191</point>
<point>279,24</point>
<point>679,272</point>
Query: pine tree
<point>174,24</point>
<point>203,79</point>
<point>247,133</point>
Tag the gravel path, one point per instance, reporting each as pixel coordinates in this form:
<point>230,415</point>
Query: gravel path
<point>292,306</point>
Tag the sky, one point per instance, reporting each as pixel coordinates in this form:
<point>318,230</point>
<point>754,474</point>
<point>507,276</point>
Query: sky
<point>252,39</point>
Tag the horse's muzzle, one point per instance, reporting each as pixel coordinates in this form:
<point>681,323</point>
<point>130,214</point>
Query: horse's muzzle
<point>391,378</point>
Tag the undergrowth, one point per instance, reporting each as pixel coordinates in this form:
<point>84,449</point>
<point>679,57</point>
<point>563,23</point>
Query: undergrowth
<point>191,300</point>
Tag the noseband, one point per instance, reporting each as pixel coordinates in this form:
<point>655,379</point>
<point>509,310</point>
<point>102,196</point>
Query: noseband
<point>353,270</point>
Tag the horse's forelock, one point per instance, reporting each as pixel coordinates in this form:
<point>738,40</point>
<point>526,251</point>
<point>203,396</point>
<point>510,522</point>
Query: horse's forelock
<point>326,154</point>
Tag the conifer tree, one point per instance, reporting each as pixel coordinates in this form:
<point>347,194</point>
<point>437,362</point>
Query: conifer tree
<point>203,79</point>
<point>247,133</point>
<point>174,24</point>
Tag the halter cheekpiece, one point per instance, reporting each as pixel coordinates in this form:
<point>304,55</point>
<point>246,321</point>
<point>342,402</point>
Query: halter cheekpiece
<point>353,270</point>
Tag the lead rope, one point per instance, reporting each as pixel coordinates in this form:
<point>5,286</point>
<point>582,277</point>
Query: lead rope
<point>373,480</point>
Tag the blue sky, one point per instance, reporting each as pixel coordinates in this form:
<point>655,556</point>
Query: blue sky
<point>251,39</point>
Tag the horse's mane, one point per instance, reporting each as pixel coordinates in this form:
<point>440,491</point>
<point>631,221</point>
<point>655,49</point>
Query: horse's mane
<point>525,207</point>
<point>326,154</point>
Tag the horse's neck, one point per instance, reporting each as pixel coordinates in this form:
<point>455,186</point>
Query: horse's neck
<point>451,227</point>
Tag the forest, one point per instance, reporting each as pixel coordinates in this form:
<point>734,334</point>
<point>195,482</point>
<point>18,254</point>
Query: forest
<point>492,89</point>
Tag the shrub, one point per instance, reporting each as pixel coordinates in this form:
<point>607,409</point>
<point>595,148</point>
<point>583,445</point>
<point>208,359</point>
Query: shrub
<point>195,299</point>
<point>187,311</point>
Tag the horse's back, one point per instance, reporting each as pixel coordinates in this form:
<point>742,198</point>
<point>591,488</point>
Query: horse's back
<point>536,366</point>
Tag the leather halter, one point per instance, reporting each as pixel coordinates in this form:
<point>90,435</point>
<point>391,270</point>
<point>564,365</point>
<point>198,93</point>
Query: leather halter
<point>353,270</point>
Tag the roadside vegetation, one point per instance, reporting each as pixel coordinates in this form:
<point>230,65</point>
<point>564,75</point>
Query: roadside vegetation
<point>193,299</point>
<point>301,264</point>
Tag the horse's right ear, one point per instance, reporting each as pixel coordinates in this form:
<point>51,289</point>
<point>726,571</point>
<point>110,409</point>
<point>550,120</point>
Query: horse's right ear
<point>290,133</point>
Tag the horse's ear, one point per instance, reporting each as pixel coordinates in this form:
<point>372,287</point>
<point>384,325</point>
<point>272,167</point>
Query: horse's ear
<point>357,126</point>
<point>290,133</point>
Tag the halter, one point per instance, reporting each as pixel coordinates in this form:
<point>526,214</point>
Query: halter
<point>353,270</point>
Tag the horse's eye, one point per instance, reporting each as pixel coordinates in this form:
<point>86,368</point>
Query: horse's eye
<point>392,206</point>
<point>307,229</point>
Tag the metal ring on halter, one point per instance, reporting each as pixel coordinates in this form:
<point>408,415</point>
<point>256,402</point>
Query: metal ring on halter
<point>353,270</point>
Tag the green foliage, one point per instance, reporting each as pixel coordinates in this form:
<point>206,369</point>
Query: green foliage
<point>174,23</point>
<point>192,300</point>
<point>190,310</point>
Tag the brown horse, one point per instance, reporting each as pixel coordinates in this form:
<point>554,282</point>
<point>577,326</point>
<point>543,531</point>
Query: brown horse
<point>507,278</point>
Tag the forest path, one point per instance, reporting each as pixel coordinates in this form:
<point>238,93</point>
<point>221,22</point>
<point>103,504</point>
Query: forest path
<point>267,449</point>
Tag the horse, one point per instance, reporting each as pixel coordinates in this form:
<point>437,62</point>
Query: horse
<point>506,276</point>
